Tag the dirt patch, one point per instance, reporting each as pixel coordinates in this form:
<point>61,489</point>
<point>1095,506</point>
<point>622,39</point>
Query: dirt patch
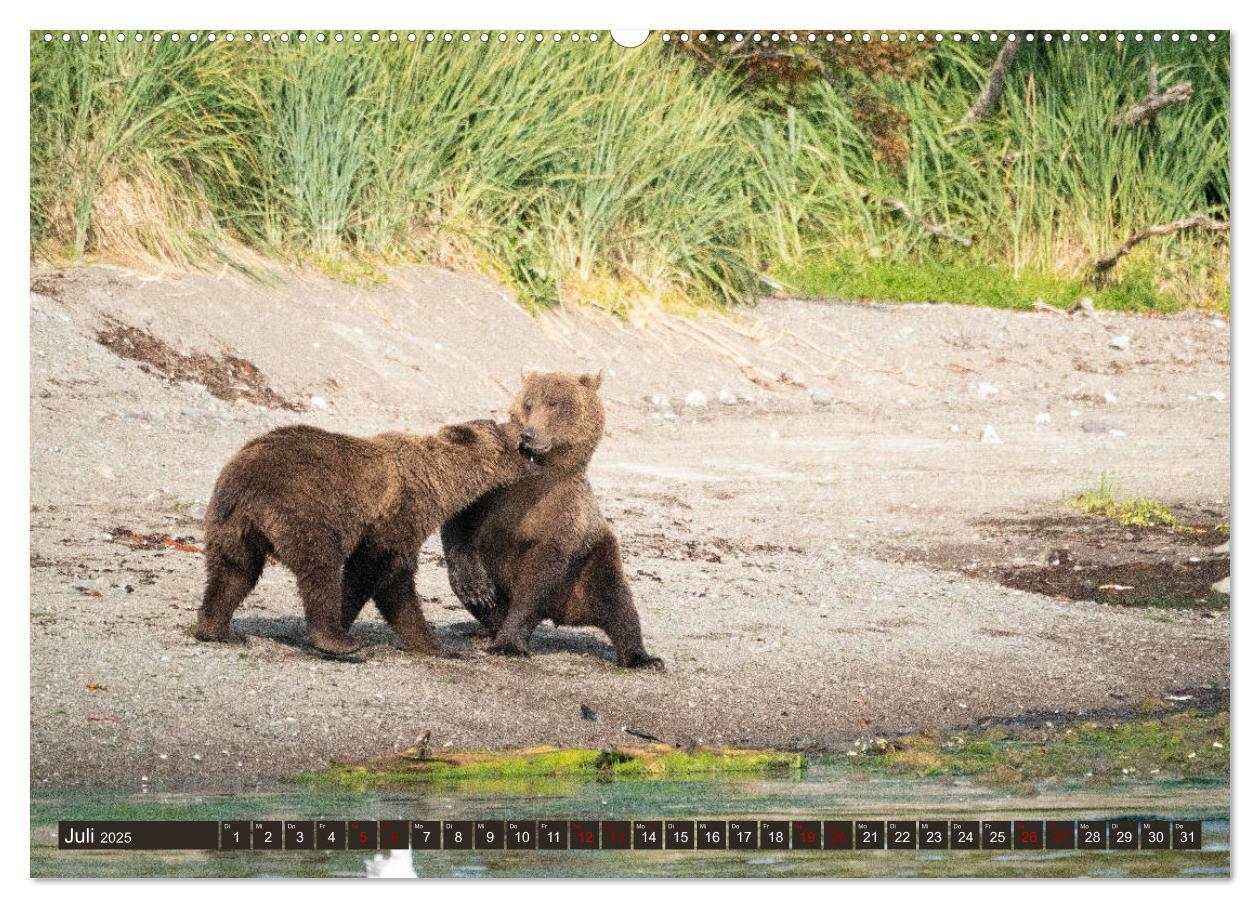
<point>1093,559</point>
<point>52,284</point>
<point>149,541</point>
<point>1140,583</point>
<point>227,377</point>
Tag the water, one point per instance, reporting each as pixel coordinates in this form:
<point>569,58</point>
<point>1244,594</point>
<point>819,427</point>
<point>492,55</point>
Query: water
<point>820,793</point>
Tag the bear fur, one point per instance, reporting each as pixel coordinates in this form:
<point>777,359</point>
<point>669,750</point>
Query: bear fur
<point>540,549</point>
<point>348,516</point>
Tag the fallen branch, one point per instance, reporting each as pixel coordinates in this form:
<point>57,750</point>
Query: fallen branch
<point>1201,221</point>
<point>993,85</point>
<point>935,229</point>
<point>1154,102</point>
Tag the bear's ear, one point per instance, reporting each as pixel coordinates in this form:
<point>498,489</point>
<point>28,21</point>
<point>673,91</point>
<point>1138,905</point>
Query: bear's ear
<point>461,434</point>
<point>591,380</point>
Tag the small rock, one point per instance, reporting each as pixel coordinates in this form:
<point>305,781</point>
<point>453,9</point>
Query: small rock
<point>1221,586</point>
<point>990,436</point>
<point>726,396</point>
<point>696,399</point>
<point>318,403</point>
<point>1083,306</point>
<point>1217,323</point>
<point>1109,398</point>
<point>955,428</point>
<point>774,434</point>
<point>104,471</point>
<point>985,391</point>
<point>1217,395</point>
<point>1096,427</point>
<point>1119,342</point>
<point>1042,419</point>
<point>820,396</point>
<point>1222,549</point>
<point>1117,433</point>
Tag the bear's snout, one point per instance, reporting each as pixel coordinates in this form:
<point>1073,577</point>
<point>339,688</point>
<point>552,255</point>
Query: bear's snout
<point>531,445</point>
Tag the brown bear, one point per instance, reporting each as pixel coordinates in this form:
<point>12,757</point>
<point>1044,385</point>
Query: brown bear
<point>540,548</point>
<point>348,516</point>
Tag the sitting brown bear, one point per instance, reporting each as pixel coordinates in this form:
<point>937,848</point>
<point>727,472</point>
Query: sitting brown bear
<point>348,516</point>
<point>540,548</point>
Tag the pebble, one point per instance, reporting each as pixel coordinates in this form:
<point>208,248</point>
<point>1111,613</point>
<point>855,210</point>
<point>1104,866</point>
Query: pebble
<point>104,471</point>
<point>319,403</point>
<point>1217,395</point>
<point>985,391</point>
<point>990,436</point>
<point>1042,418</point>
<point>1120,342</point>
<point>820,396</point>
<point>1221,586</point>
<point>1109,398</point>
<point>726,396</point>
<point>696,399</point>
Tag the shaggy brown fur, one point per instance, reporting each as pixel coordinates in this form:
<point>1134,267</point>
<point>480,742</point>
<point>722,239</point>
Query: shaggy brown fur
<point>540,548</point>
<point>348,516</point>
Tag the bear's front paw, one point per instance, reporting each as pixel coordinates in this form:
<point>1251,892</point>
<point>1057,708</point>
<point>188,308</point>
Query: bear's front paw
<point>209,634</point>
<point>335,644</point>
<point>508,648</point>
<point>642,660</point>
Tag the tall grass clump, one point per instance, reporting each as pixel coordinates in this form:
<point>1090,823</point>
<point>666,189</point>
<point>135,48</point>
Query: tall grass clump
<point>1043,186</point>
<point>584,171</point>
<point>129,142</point>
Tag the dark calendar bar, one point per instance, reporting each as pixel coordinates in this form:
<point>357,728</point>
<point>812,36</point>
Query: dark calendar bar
<point>633,835</point>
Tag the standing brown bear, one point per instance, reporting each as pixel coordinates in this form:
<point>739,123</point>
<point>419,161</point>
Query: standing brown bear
<point>348,516</point>
<point>540,548</point>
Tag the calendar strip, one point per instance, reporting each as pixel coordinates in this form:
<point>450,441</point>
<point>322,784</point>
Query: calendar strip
<point>633,835</point>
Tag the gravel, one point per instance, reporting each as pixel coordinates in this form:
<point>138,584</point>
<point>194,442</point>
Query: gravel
<point>769,542</point>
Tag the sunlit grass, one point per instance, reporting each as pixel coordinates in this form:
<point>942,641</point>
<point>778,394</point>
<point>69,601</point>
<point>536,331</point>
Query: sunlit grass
<point>569,165</point>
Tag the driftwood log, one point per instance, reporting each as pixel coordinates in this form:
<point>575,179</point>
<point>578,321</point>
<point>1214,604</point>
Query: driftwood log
<point>1103,266</point>
<point>1155,101</point>
<point>993,85</point>
<point>935,229</point>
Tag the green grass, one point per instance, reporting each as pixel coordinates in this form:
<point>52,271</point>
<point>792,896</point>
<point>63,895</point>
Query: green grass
<point>582,171</point>
<point>966,283</point>
<point>1137,512</point>
<point>653,763</point>
<point>1178,746</point>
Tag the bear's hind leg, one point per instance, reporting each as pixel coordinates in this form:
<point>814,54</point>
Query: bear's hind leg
<point>611,604</point>
<point>400,606</point>
<point>229,579</point>
<point>320,589</point>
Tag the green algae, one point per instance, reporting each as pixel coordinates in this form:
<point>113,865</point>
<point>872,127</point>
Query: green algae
<point>1183,746</point>
<point>662,762</point>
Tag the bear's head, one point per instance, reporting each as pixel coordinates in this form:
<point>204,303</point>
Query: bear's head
<point>561,418</point>
<point>489,441</point>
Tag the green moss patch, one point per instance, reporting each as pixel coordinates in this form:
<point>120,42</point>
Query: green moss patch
<point>970,283</point>
<point>660,762</point>
<point>1173,747</point>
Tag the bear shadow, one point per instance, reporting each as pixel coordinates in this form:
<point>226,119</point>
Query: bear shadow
<point>292,632</point>
<point>548,641</point>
